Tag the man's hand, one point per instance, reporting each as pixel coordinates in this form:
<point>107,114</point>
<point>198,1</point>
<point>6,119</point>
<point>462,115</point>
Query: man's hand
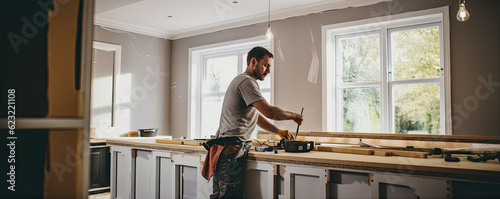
<point>284,134</point>
<point>297,118</point>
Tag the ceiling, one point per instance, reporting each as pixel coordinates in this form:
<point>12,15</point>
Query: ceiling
<point>174,19</point>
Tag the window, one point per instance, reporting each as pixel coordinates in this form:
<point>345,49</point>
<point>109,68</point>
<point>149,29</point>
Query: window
<point>388,75</point>
<point>212,70</point>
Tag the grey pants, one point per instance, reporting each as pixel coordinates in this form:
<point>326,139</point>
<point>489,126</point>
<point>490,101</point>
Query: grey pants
<point>229,177</point>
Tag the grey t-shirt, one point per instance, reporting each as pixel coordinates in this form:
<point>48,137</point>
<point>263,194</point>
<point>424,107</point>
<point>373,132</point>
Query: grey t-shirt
<point>238,117</point>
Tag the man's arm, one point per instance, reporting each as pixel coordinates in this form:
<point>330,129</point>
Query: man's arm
<point>266,125</point>
<point>275,113</point>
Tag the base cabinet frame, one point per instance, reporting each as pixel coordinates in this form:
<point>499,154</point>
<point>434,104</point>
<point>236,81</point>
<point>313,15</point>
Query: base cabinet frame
<point>121,173</point>
<point>305,182</point>
<point>150,173</point>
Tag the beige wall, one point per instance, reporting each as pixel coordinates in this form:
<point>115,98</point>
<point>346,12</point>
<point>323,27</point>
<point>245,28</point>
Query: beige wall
<point>144,80</point>
<point>474,53</point>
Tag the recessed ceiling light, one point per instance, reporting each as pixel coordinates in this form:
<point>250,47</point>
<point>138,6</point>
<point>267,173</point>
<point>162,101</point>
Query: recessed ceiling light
<point>169,16</point>
<point>235,2</point>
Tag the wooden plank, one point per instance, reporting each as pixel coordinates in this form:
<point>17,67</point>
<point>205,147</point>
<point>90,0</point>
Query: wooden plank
<point>380,142</point>
<point>369,151</point>
<point>439,138</point>
<point>382,153</point>
<point>167,141</point>
<point>358,151</point>
<point>133,134</point>
<point>192,142</point>
<point>411,154</point>
<point>344,150</point>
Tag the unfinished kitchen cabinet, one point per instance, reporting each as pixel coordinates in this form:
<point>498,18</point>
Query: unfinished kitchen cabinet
<point>121,172</point>
<point>344,184</point>
<point>145,174</point>
<point>189,183</point>
<point>177,175</point>
<point>462,189</point>
<point>259,182</point>
<point>305,182</point>
<point>402,186</point>
<point>164,175</point>
<point>99,167</point>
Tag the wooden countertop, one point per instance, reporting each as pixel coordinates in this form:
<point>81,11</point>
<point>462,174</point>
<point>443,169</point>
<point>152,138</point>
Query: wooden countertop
<point>431,167</point>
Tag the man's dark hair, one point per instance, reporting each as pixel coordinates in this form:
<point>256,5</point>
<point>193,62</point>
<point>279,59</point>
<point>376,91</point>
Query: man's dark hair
<point>258,52</point>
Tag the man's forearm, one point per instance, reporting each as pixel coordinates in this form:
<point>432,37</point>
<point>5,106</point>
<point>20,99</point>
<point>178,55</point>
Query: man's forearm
<point>280,114</point>
<point>266,125</point>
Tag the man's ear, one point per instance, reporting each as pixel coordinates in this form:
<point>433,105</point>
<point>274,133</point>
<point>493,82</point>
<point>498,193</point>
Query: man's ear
<point>253,61</point>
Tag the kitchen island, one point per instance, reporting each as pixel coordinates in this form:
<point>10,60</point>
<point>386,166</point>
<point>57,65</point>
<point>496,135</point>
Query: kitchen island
<point>143,168</point>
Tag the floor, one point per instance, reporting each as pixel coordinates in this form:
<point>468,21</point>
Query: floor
<point>100,196</point>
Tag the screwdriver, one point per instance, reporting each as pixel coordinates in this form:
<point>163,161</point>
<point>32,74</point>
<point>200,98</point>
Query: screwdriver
<point>298,125</point>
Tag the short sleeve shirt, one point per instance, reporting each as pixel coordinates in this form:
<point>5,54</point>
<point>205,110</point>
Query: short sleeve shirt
<point>238,116</point>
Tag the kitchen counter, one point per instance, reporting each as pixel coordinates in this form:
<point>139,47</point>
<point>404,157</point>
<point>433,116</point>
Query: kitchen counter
<point>131,139</point>
<point>432,167</point>
<point>175,172</point>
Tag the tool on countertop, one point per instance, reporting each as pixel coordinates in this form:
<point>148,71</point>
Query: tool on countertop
<point>449,158</point>
<point>438,151</point>
<point>298,125</point>
<point>486,156</point>
<point>295,145</point>
<point>263,148</point>
<point>267,146</point>
<point>362,144</point>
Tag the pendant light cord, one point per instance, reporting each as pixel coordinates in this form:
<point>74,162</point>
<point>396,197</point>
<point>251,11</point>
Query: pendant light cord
<point>269,15</point>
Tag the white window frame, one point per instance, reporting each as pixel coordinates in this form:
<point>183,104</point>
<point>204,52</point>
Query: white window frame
<point>197,57</point>
<point>386,24</point>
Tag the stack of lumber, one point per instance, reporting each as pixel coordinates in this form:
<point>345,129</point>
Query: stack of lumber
<point>180,142</point>
<point>372,151</point>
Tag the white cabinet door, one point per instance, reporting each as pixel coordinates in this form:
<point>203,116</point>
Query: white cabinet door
<point>402,186</point>
<point>259,182</point>
<point>145,172</point>
<point>305,182</point>
<point>121,172</point>
<point>349,185</point>
<point>165,182</point>
<point>189,183</point>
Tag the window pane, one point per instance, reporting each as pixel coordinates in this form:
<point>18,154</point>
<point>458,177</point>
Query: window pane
<point>360,58</point>
<point>415,53</point>
<point>360,109</point>
<point>219,72</point>
<point>416,108</point>
<point>210,112</point>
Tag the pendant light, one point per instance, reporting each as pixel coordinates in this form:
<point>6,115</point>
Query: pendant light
<point>269,34</point>
<point>462,14</point>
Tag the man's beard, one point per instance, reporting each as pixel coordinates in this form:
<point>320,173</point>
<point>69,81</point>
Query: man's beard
<point>260,77</point>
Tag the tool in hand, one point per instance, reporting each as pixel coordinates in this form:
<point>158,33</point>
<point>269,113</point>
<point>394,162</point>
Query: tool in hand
<point>298,125</point>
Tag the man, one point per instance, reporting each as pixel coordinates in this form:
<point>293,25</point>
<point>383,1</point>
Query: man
<point>242,109</point>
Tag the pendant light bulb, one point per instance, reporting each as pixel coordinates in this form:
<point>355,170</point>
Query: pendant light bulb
<point>462,14</point>
<point>269,34</point>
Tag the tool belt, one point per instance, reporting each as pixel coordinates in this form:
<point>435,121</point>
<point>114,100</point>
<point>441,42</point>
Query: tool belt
<point>222,142</point>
